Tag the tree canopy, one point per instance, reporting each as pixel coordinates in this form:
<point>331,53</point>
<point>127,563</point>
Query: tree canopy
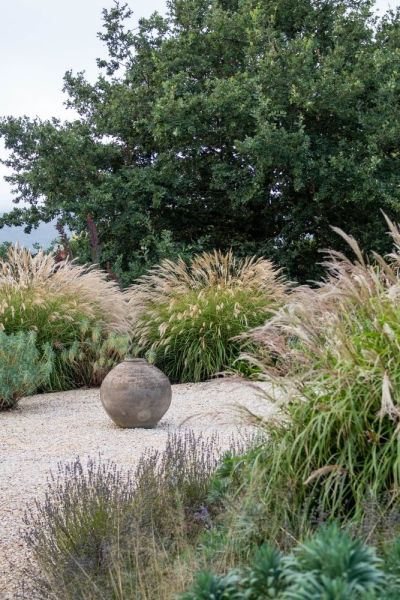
<point>251,124</point>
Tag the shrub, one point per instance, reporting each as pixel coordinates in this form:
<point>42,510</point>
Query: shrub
<point>329,565</point>
<point>339,443</point>
<point>102,533</point>
<point>72,308</point>
<point>22,370</point>
<point>187,314</point>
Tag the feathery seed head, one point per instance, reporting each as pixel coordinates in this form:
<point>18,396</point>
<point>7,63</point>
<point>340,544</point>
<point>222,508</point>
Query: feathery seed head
<point>203,295</point>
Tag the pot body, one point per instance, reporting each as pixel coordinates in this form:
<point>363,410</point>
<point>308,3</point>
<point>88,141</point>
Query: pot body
<point>135,394</point>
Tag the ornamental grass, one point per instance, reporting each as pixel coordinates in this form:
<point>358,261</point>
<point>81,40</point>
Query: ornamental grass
<point>73,308</point>
<point>185,315</point>
<point>339,349</point>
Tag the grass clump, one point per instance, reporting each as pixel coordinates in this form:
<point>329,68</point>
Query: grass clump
<point>22,369</point>
<point>186,315</point>
<point>74,309</point>
<point>104,533</point>
<point>340,441</point>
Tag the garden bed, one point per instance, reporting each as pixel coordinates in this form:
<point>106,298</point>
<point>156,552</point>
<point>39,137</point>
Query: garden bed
<point>50,428</point>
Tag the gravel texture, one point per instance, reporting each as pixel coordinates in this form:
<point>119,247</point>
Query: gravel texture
<point>49,428</point>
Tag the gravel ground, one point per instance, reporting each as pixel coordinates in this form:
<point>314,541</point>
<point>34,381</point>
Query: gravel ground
<point>50,428</point>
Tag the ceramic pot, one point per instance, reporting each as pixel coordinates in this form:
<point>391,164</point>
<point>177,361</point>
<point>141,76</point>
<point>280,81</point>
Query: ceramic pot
<point>135,394</point>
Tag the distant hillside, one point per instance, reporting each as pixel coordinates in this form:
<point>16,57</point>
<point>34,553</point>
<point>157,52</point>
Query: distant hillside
<point>43,235</point>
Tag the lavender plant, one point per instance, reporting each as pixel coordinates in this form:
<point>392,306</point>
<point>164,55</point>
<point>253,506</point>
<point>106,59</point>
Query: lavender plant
<point>102,532</point>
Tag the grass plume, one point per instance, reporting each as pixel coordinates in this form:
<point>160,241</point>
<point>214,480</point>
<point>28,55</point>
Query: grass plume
<point>186,314</point>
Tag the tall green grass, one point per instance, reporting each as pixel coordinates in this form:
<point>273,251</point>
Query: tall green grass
<point>339,441</point>
<point>185,316</point>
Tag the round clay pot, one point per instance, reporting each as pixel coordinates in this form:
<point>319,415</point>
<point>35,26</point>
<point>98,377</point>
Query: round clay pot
<point>135,394</point>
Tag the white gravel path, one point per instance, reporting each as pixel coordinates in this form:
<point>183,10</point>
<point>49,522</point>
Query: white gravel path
<point>50,428</point>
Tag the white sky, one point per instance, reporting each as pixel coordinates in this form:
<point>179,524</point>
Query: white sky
<point>40,40</point>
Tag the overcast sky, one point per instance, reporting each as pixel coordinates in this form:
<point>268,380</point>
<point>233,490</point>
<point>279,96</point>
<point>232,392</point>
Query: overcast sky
<point>40,40</point>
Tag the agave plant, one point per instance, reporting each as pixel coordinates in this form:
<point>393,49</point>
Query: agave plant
<point>58,301</point>
<point>186,315</point>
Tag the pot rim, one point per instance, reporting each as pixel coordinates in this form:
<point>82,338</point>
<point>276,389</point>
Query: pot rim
<point>137,360</point>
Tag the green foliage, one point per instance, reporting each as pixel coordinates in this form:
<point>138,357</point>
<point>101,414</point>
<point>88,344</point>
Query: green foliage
<point>75,311</point>
<point>209,586</point>
<point>54,322</point>
<point>102,532</point>
<point>186,316</point>
<point>338,445</point>
<point>231,472</point>
<point>253,125</point>
<point>152,251</point>
<point>182,352</point>
<point>4,248</point>
<point>265,577</point>
<point>330,565</point>
<point>391,558</point>
<point>22,370</point>
<point>89,355</point>
<point>83,351</point>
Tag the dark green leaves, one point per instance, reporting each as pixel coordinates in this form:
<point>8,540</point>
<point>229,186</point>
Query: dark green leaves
<point>253,125</point>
